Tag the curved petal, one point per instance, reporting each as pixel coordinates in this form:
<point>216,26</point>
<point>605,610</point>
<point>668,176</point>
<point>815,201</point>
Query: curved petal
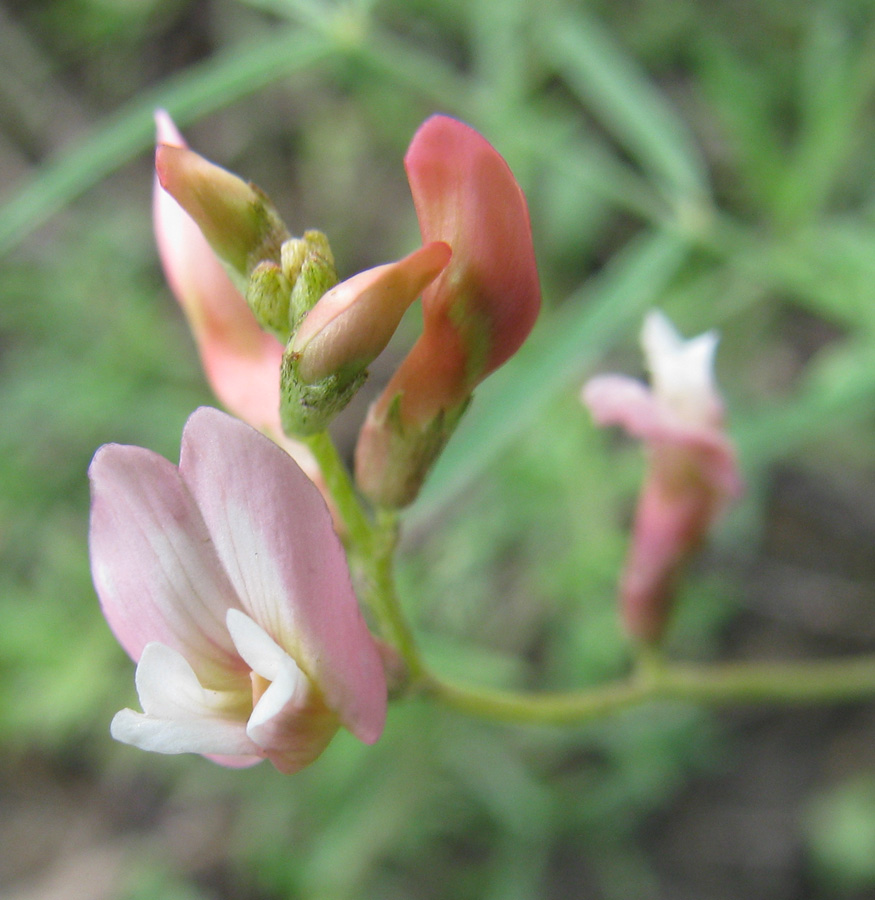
<point>274,536</point>
<point>180,715</point>
<point>618,400</point>
<point>241,361</point>
<point>465,194</point>
<point>290,722</point>
<point>154,566</point>
<point>353,322</point>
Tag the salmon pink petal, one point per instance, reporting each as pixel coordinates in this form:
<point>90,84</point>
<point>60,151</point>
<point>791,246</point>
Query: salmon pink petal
<point>353,322</point>
<point>273,533</point>
<point>241,361</point>
<point>465,195</point>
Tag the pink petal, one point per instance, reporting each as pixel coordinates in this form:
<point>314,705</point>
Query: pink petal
<point>241,361</point>
<point>154,566</point>
<point>671,521</point>
<point>618,400</point>
<point>273,533</point>
<point>466,195</point>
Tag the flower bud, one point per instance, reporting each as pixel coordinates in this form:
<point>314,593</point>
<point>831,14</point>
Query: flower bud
<point>280,295</point>
<point>325,362</point>
<point>237,219</point>
<point>476,313</point>
<point>691,475</point>
<point>241,362</point>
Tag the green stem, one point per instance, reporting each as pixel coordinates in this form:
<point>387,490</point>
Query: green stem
<point>373,544</point>
<point>384,598</point>
<point>840,681</point>
<point>341,490</point>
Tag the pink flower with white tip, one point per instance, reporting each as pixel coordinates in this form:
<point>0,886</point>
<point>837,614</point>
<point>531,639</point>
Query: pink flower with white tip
<point>224,580</point>
<point>692,471</point>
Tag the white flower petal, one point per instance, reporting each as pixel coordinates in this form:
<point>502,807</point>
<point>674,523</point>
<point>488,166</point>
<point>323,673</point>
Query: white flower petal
<point>179,714</point>
<point>682,372</point>
<point>217,737</point>
<point>257,648</point>
<point>289,689</point>
<point>169,688</point>
<point>290,723</point>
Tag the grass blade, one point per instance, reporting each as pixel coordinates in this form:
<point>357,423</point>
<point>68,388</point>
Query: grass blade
<point>127,132</point>
<point>626,103</point>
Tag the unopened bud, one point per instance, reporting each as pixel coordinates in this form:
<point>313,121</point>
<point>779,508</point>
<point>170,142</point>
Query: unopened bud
<point>237,219</point>
<point>350,325</point>
<point>280,295</point>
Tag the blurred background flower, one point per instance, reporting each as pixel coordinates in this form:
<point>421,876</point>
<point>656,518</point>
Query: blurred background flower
<point>710,159</point>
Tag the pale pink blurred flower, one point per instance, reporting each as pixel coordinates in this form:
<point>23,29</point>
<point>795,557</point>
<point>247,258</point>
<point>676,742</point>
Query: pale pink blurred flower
<point>692,471</point>
<point>224,580</point>
<point>241,361</point>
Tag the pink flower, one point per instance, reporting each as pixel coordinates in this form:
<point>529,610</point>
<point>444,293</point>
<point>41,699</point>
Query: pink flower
<point>692,471</point>
<point>476,313</point>
<point>224,581</point>
<point>241,361</point>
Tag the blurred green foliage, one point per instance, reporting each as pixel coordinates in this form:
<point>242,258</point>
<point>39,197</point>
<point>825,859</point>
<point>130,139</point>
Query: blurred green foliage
<point>711,159</point>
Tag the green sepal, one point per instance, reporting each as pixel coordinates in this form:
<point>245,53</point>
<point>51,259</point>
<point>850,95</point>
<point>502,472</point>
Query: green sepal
<point>268,295</point>
<point>306,409</point>
<point>393,460</point>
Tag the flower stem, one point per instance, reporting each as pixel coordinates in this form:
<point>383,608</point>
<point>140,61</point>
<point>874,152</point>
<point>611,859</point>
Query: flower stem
<point>341,490</point>
<point>840,681</point>
<point>654,678</point>
<point>372,544</point>
<point>385,600</point>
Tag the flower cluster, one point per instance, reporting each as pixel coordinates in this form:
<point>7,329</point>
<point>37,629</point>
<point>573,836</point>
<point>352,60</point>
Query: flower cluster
<point>223,577</point>
<point>475,271</point>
